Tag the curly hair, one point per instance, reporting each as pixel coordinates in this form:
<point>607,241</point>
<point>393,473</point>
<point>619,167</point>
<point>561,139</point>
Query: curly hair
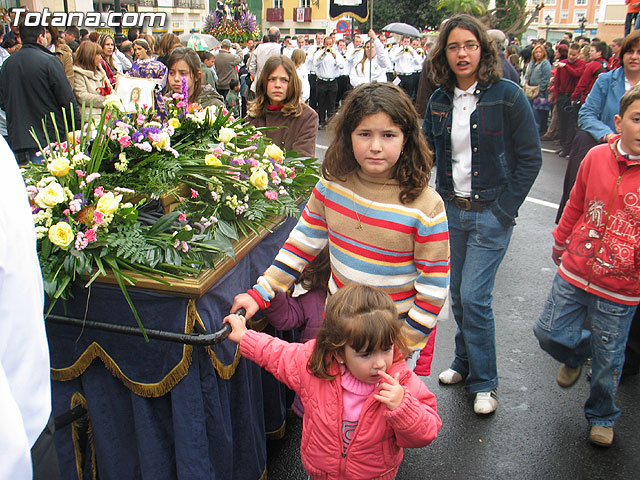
<point>360,316</point>
<point>489,68</point>
<point>413,168</point>
<point>292,104</point>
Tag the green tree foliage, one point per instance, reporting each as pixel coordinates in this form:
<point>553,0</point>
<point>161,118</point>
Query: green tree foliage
<point>419,13</point>
<point>472,7</point>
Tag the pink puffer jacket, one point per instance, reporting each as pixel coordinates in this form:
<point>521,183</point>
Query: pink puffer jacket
<point>376,449</point>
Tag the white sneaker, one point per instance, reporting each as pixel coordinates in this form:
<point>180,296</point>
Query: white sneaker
<point>449,377</point>
<point>486,402</point>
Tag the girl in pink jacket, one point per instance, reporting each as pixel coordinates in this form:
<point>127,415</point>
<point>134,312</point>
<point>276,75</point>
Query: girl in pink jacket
<point>362,403</point>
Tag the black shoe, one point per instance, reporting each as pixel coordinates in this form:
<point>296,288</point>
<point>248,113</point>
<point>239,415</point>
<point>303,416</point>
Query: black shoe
<point>563,154</point>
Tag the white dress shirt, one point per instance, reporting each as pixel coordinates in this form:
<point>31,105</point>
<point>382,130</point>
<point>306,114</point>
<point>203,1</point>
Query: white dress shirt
<point>464,103</point>
<point>327,66</point>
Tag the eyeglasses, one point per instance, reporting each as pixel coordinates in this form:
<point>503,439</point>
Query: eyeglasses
<point>467,47</point>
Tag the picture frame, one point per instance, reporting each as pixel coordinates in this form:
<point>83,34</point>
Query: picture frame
<point>135,93</point>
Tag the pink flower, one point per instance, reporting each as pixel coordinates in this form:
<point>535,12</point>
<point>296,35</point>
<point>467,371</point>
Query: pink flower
<point>140,119</point>
<point>254,162</point>
<point>194,193</point>
<point>98,217</point>
<point>80,173</point>
<point>181,104</point>
<point>146,146</point>
<point>108,115</point>
<point>66,211</point>
<point>293,173</point>
<point>98,191</point>
<point>177,96</point>
<point>271,195</point>
<point>182,217</point>
<point>124,141</point>
<point>90,235</point>
<point>81,241</point>
<point>92,176</point>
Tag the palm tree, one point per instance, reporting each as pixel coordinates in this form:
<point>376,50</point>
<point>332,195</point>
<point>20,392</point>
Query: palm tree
<point>472,7</point>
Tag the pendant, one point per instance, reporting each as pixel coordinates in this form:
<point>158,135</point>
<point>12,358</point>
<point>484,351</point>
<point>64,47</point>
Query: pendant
<point>360,227</point>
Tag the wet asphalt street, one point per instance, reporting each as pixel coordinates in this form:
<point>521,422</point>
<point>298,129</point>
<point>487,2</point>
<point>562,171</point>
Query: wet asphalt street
<point>539,430</point>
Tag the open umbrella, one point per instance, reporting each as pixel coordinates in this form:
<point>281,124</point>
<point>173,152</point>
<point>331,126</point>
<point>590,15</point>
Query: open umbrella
<point>199,41</point>
<point>402,29</point>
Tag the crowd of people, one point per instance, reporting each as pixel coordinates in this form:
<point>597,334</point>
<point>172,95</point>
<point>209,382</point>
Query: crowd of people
<point>475,105</point>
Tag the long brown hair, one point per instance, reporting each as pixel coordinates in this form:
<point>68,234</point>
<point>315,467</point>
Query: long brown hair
<point>85,56</point>
<point>101,41</point>
<point>360,316</point>
<point>413,168</point>
<point>167,43</point>
<point>316,274</point>
<point>292,104</point>
<point>489,69</point>
<point>193,62</point>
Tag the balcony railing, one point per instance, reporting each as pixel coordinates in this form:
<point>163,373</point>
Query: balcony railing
<point>302,14</point>
<point>275,14</point>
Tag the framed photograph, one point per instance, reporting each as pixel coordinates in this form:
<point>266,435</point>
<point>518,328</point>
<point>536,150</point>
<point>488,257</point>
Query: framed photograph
<point>135,93</point>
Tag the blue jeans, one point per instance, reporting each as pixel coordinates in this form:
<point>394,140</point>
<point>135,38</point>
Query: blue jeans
<point>563,333</point>
<point>478,245</point>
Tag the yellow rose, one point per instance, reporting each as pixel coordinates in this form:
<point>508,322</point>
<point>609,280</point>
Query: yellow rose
<point>211,160</point>
<point>259,179</point>
<point>59,166</point>
<point>163,142</point>
<point>108,203</point>
<point>273,151</point>
<point>61,235</point>
<point>226,134</point>
<point>50,196</point>
<point>174,123</point>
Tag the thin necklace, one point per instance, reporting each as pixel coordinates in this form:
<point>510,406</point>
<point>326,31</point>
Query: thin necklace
<point>360,225</point>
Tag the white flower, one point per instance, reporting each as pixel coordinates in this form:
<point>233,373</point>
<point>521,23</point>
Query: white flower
<point>227,134</point>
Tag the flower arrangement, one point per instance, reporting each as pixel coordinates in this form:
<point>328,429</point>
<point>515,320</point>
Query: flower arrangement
<point>94,197</point>
<point>233,22</point>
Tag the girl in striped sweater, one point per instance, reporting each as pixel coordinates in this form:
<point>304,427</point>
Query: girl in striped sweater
<point>384,225</point>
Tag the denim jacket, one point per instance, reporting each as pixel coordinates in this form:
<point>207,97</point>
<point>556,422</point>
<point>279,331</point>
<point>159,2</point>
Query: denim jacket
<point>602,104</point>
<point>505,145</point>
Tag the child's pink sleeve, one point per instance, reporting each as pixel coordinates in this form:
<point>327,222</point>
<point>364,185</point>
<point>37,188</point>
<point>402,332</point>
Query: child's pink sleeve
<point>286,361</point>
<point>415,422</point>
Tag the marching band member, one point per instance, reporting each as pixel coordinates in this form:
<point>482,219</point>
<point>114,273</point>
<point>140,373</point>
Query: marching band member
<point>373,64</point>
<point>328,64</point>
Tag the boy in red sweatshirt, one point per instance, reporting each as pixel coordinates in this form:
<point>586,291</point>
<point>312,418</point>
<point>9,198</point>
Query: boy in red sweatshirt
<point>597,288</point>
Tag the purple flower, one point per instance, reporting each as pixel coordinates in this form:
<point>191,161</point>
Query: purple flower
<point>136,137</point>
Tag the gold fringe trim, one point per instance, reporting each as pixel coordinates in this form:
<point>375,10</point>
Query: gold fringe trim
<point>277,434</point>
<point>157,389</point>
<point>264,474</point>
<point>224,371</point>
<point>78,399</point>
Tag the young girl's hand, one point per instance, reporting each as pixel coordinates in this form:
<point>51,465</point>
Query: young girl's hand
<point>246,301</point>
<point>238,327</point>
<point>391,392</point>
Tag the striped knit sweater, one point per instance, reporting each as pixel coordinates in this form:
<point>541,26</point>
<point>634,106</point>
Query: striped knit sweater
<point>403,249</point>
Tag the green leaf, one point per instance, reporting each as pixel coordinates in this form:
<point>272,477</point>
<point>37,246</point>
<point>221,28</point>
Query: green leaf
<point>163,223</point>
<point>227,229</point>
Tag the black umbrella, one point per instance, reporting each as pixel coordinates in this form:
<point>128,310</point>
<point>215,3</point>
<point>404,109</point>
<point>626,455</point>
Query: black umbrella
<point>402,29</point>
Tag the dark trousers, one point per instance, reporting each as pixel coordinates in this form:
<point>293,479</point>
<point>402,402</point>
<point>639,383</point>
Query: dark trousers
<point>567,121</point>
<point>43,455</point>
<point>582,143</point>
<point>313,94</point>
<point>23,157</point>
<point>326,92</point>
<point>223,92</point>
<point>542,119</point>
<point>407,83</point>
<point>344,85</point>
